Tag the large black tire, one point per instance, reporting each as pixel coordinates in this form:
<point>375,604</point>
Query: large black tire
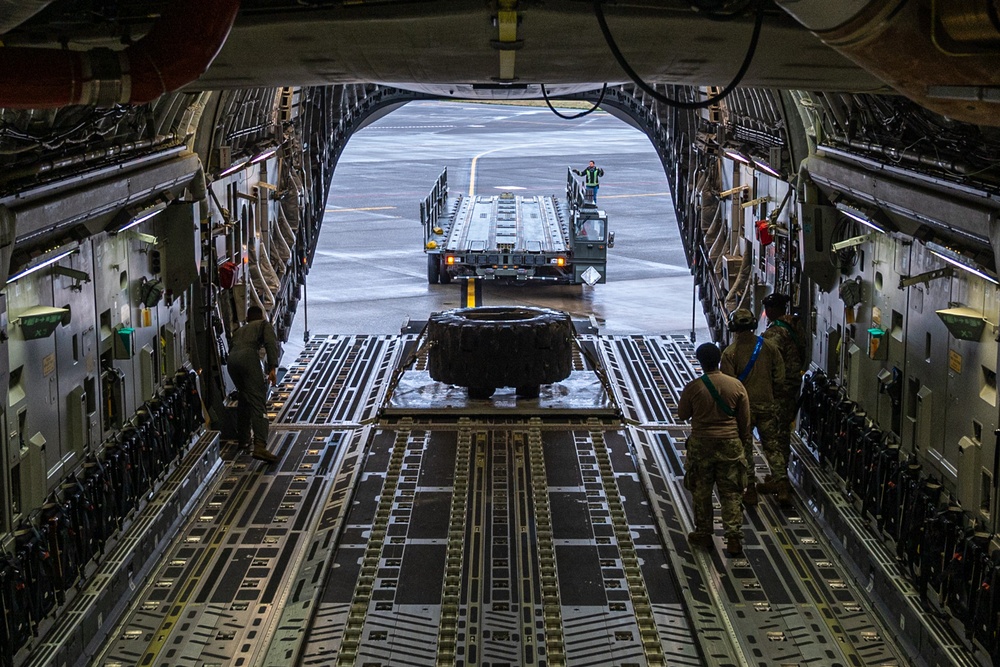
<point>433,269</point>
<point>500,347</point>
<point>445,275</point>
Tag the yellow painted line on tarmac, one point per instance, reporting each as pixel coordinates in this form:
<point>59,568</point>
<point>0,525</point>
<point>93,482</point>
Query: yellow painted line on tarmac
<point>365,208</point>
<point>473,293</point>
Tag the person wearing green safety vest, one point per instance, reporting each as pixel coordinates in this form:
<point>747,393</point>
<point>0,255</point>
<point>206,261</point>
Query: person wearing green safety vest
<point>719,410</point>
<point>758,365</point>
<point>784,331</point>
<point>591,180</point>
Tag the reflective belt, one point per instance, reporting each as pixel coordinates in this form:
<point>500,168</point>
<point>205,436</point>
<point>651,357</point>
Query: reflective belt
<point>726,410</point>
<point>753,359</point>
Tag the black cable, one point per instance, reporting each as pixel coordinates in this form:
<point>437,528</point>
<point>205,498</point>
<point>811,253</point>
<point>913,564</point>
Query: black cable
<point>592,109</point>
<point>758,22</point>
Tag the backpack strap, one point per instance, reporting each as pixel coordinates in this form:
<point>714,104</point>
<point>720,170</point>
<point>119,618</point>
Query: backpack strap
<point>753,359</point>
<point>726,410</point>
<point>791,332</point>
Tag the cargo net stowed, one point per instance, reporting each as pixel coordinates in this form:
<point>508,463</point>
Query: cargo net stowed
<point>939,547</point>
<point>55,545</point>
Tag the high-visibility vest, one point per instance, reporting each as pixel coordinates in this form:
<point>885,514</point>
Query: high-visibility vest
<point>591,177</point>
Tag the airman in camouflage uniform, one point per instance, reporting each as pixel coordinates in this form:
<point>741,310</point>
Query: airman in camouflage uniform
<point>719,411</point>
<point>785,333</point>
<point>756,363</point>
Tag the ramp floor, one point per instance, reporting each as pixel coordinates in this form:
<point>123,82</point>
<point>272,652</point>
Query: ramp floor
<point>400,530</point>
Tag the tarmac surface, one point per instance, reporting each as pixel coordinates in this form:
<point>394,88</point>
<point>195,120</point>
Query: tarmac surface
<point>370,273</point>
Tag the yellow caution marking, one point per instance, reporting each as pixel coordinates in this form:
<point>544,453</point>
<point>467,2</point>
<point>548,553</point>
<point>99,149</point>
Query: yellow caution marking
<point>507,33</point>
<point>473,294</point>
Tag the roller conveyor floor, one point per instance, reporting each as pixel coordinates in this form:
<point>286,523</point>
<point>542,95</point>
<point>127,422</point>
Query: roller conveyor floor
<point>406,525</point>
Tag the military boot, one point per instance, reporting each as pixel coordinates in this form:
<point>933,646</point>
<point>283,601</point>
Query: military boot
<point>785,493</point>
<point>767,486</point>
<point>699,539</point>
<point>734,546</point>
<point>261,454</point>
<point>750,497</point>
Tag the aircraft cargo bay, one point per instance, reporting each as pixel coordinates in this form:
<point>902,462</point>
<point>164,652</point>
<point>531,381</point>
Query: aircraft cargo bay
<point>408,524</point>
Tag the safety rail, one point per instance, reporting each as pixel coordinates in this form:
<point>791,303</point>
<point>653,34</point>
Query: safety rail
<point>433,205</point>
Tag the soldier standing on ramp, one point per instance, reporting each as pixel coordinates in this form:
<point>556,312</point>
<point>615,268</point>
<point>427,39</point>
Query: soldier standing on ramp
<point>248,376</point>
<point>785,333</point>
<point>757,364</point>
<point>719,411</point>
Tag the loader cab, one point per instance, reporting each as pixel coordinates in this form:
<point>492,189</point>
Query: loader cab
<point>591,240</point>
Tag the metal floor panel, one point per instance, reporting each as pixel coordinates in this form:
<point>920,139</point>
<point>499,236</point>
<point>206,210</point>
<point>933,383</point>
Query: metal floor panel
<point>486,535</point>
<point>514,547</point>
<point>789,600</point>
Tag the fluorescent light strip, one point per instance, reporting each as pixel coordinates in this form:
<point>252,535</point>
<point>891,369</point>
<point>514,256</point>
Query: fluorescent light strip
<point>143,218</point>
<point>862,219</point>
<point>233,169</point>
<point>50,261</point>
<point>263,156</point>
<point>739,157</point>
<point>965,267</point>
<point>766,168</point>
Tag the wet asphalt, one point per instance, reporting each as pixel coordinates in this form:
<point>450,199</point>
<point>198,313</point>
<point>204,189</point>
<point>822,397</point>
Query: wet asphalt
<point>370,273</point>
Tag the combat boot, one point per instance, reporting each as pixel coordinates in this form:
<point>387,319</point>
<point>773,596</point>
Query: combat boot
<point>261,454</point>
<point>734,546</point>
<point>784,493</point>
<point>697,539</point>
<point>767,486</point>
<point>750,498</point>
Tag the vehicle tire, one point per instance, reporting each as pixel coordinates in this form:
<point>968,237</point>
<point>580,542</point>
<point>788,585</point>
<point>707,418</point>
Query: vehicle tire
<point>433,269</point>
<point>445,274</point>
<point>489,346</point>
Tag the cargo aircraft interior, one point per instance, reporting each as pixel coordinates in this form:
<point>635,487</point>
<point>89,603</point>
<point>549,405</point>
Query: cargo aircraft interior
<point>165,166</point>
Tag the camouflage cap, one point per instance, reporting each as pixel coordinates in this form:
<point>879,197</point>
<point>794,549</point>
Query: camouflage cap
<point>742,320</point>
